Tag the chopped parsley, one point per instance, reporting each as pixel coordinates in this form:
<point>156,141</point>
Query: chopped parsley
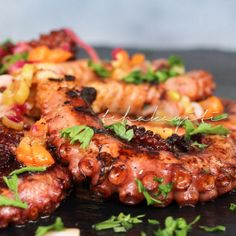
<point>11,59</point>
<point>99,69</point>
<point>196,144</point>
<point>153,222</point>
<point>232,207</point>
<point>56,226</point>
<point>12,183</point>
<point>177,226</point>
<point>28,169</point>
<point>220,117</point>
<point>81,133</point>
<point>120,223</point>
<point>218,228</point>
<point>163,190</point>
<point>121,131</point>
<point>150,200</point>
<point>202,128</point>
<point>137,76</point>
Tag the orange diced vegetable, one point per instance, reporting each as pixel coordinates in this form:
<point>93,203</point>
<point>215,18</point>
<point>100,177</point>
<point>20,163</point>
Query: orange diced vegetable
<point>137,59</point>
<point>212,106</point>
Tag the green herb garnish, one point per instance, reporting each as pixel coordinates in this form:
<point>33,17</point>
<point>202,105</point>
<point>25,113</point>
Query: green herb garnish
<point>232,207</point>
<point>137,76</point>
<point>11,59</point>
<point>12,183</point>
<point>178,227</point>
<point>56,226</point>
<point>99,69</point>
<point>120,223</point>
<point>198,145</point>
<point>153,222</point>
<point>220,117</point>
<point>121,131</point>
<point>218,228</point>
<point>5,201</point>
<point>202,128</point>
<point>81,133</point>
<point>150,200</point>
<point>28,169</point>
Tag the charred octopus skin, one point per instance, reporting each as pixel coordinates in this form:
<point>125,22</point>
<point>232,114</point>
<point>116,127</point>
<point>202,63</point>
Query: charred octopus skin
<point>42,191</point>
<point>115,166</point>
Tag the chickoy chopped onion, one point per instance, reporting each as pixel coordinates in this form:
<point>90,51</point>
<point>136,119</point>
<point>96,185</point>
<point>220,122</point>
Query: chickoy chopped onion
<point>65,232</point>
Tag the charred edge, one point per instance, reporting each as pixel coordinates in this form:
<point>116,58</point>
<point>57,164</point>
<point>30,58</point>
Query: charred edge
<point>72,94</point>
<point>178,143</point>
<point>85,110</point>
<point>55,79</point>
<point>53,151</point>
<point>106,161</point>
<point>69,78</point>
<point>66,102</point>
<point>88,94</point>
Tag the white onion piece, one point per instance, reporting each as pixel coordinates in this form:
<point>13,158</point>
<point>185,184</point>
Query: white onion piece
<point>198,110</point>
<point>5,80</point>
<point>64,232</point>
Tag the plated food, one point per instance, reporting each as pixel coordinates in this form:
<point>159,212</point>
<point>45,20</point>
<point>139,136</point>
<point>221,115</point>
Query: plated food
<point>143,130</point>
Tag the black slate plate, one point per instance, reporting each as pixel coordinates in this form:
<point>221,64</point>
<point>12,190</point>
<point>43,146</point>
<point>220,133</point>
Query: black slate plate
<point>82,209</point>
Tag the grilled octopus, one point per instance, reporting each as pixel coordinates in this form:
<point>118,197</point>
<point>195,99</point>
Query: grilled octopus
<point>114,166</point>
<point>42,191</point>
<point>142,99</point>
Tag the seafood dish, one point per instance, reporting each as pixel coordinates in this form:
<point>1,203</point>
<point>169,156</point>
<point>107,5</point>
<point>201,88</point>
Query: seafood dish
<point>139,129</point>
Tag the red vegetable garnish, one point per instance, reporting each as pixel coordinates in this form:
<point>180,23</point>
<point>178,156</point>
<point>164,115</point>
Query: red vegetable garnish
<point>89,50</point>
<point>114,52</point>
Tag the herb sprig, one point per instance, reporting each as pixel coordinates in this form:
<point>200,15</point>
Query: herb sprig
<point>232,207</point>
<point>81,133</point>
<point>56,226</point>
<point>217,228</point>
<point>120,223</point>
<point>99,69</point>
<point>11,59</point>
<point>12,183</point>
<point>163,190</point>
<point>177,226</point>
<point>195,128</point>
<point>121,131</point>
<point>176,67</point>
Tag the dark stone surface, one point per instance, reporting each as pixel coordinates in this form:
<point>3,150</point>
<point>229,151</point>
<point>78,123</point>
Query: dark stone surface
<point>82,209</point>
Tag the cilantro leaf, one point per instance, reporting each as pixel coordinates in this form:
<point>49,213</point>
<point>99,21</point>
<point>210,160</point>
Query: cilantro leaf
<point>218,228</point>
<point>205,128</point>
<point>11,59</point>
<point>164,189</point>
<point>174,60</point>
<point>153,222</point>
<point>121,131</point>
<point>198,145</point>
<point>178,227</point>
<point>150,200</point>
<point>120,223</point>
<point>5,201</point>
<point>202,128</point>
<point>232,207</point>
<point>220,117</point>
<point>12,184</point>
<point>28,169</point>
<point>99,69</point>
<point>56,226</point>
<point>81,133</point>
